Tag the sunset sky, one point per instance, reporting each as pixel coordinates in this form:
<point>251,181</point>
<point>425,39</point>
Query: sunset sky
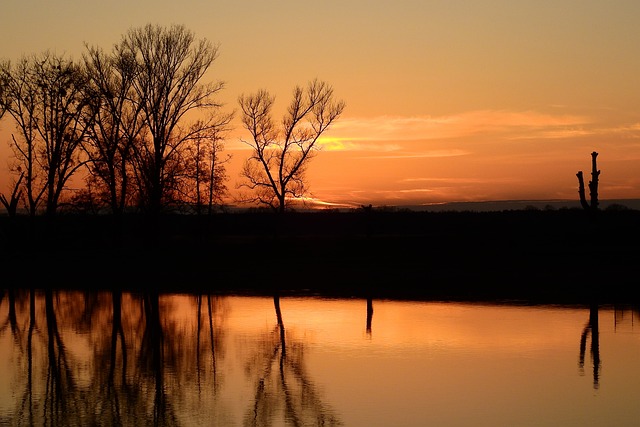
<point>445,100</point>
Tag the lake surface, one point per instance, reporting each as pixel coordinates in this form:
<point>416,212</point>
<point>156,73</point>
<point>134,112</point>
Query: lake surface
<point>118,358</point>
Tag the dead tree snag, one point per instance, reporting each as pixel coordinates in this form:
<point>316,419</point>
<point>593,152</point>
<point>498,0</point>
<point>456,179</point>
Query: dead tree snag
<point>593,186</point>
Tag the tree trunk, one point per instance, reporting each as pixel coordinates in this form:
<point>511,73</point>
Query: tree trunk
<point>581,192</point>
<point>593,186</point>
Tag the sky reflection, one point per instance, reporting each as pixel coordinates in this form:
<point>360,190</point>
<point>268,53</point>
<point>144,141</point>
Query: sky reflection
<point>117,357</point>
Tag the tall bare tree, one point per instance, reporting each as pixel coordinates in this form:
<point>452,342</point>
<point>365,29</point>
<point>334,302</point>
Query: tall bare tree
<point>117,124</point>
<point>19,98</point>
<point>275,171</point>
<point>11,204</point>
<point>44,95</point>
<point>168,91</point>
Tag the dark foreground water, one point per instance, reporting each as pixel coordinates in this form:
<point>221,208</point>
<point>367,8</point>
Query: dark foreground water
<point>117,358</point>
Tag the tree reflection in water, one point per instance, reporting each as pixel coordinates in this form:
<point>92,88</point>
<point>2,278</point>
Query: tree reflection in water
<point>369,316</point>
<point>214,321</point>
<point>120,358</point>
<point>115,358</point>
<point>282,384</point>
<point>61,391</point>
<point>591,328</point>
<point>71,371</point>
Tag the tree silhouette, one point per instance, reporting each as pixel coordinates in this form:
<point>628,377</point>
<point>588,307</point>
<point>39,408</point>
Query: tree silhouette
<point>116,126</point>
<point>44,95</point>
<point>275,171</point>
<point>3,83</point>
<point>170,64</point>
<point>202,183</point>
<point>11,205</point>
<point>593,186</point>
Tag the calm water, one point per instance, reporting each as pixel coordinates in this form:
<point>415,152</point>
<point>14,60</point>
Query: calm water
<point>80,358</point>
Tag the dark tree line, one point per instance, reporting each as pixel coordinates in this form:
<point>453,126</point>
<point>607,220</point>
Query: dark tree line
<point>138,118</point>
<point>147,129</point>
<point>44,94</point>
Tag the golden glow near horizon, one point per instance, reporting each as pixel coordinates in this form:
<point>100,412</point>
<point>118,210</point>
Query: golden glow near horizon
<point>446,100</point>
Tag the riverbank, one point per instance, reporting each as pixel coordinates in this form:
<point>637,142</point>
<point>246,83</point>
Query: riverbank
<point>556,256</point>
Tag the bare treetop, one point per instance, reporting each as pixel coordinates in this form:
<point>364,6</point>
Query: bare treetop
<point>274,173</point>
<point>168,86</point>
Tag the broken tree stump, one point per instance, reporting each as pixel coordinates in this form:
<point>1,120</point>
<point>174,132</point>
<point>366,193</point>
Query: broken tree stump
<point>593,186</point>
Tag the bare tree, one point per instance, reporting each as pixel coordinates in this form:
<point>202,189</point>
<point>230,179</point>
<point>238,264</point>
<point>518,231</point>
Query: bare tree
<point>15,195</point>
<point>19,98</point>
<point>167,90</point>
<point>275,171</point>
<point>203,184</point>
<point>44,95</point>
<point>116,126</point>
<point>11,205</point>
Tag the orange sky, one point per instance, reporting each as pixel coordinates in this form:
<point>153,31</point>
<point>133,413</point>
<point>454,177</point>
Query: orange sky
<point>446,100</point>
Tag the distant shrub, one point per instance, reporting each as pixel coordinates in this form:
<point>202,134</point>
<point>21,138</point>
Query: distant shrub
<point>616,207</point>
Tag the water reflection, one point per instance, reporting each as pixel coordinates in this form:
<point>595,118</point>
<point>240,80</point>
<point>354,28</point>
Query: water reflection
<point>369,315</point>
<point>120,358</point>
<point>591,329</point>
<point>281,382</point>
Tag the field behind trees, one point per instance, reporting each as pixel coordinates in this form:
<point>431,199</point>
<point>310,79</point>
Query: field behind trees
<point>557,256</point>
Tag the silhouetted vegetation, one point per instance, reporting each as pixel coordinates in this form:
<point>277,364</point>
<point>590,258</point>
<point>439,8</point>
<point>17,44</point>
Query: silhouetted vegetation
<point>593,185</point>
<point>138,120</point>
<point>11,204</point>
<point>520,255</point>
<point>126,115</point>
<point>275,171</point>
<point>45,96</point>
<point>147,130</point>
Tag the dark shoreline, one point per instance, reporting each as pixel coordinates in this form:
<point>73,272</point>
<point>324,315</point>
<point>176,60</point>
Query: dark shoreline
<point>556,256</point>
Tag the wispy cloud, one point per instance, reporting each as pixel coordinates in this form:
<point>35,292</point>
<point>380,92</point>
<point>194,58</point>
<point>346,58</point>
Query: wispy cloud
<point>419,155</point>
<point>449,180</point>
<point>400,134</point>
<point>416,190</point>
<point>339,144</point>
<point>353,133</point>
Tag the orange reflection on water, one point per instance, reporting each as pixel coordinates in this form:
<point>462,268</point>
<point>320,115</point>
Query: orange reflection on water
<point>121,358</point>
<point>413,325</point>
